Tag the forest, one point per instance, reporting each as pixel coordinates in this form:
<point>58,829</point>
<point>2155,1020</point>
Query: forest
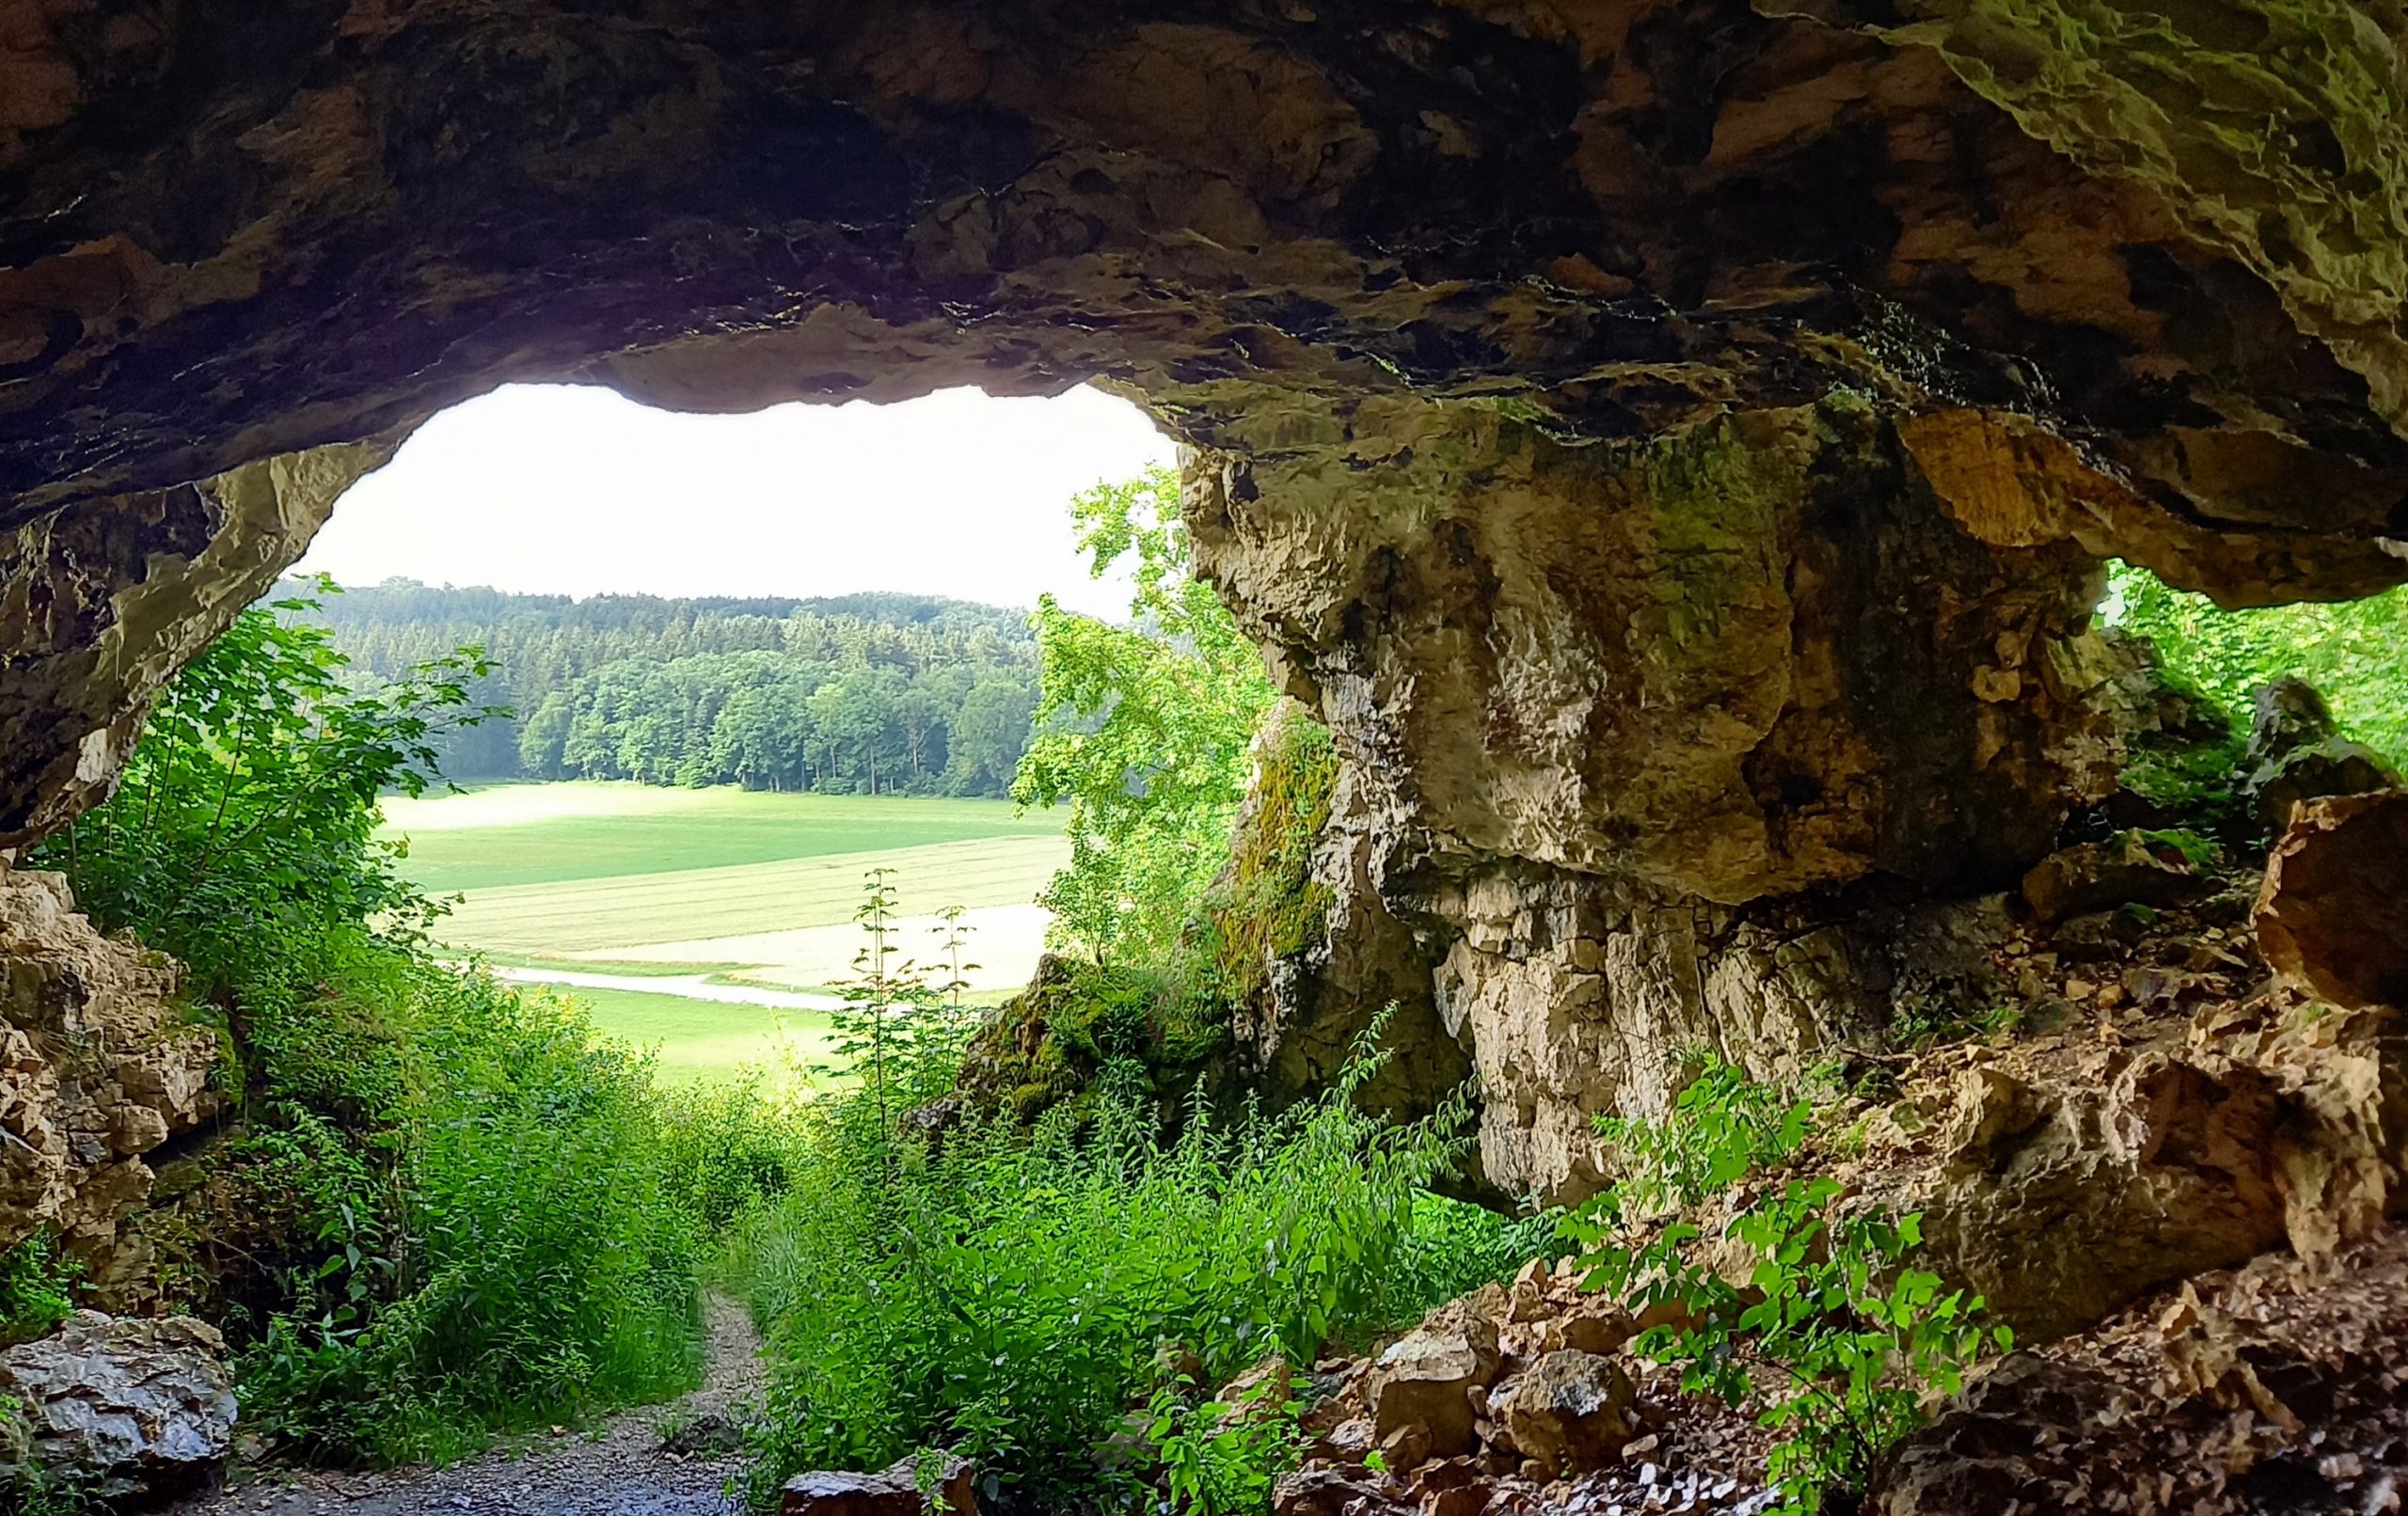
<point>862,694</point>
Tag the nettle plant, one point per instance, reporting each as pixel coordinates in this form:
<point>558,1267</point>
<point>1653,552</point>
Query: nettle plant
<point>1841,1342</point>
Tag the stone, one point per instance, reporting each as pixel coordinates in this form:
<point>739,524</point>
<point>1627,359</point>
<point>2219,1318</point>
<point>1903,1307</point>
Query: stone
<point>2130,868</point>
<point>1407,1448</point>
<point>2297,753</point>
<point>1330,1492</point>
<point>98,1067</point>
<point>2333,913</point>
<point>1456,1500</point>
<point>891,1491</point>
<point>1589,1330</point>
<point>1424,1381</point>
<point>139,1406</point>
<point>1571,1412</point>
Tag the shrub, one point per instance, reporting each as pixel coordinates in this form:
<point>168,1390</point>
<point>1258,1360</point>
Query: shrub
<point>537,1261</point>
<point>36,1286</point>
<point>2350,651</point>
<point>443,1207</point>
<point>1005,1294</point>
<point>1849,1343</point>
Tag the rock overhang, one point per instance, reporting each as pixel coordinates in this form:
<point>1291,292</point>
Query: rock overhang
<point>1671,443</point>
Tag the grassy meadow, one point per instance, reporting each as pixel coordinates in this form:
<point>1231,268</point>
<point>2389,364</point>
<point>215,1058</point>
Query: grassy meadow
<point>720,886</point>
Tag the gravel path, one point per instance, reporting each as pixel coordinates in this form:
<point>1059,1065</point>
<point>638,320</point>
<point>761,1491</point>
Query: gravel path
<point>618,1469</point>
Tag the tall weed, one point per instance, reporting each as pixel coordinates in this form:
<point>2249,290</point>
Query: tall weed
<point>1006,1295</point>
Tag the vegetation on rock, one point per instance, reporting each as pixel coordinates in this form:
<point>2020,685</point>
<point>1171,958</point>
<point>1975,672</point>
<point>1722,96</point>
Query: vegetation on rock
<point>435,1207</point>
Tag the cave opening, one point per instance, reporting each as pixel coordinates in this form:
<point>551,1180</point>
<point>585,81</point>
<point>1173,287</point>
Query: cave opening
<point>1670,451</point>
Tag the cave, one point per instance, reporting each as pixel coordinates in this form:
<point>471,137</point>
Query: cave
<point>1672,445</point>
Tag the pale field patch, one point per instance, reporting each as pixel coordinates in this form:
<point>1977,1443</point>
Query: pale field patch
<point>1004,945</point>
<point>724,889</point>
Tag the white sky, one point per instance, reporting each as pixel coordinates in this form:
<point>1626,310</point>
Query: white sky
<point>579,491</point>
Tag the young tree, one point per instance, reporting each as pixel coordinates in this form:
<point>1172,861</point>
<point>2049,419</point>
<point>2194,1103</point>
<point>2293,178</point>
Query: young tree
<point>1143,728</point>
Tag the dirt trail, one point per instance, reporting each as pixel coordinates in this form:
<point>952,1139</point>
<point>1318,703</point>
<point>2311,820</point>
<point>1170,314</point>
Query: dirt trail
<point>618,1469</point>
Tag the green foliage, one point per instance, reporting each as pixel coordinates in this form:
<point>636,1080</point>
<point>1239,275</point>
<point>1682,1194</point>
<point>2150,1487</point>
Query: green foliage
<point>245,820</point>
<point>535,1261</point>
<point>1220,1458</point>
<point>1002,1293</point>
<point>874,693</point>
<point>1723,1126</point>
<point>2350,651</point>
<point>440,1207</point>
<point>1142,730</point>
<point>36,1286</point>
<point>1840,1342</point>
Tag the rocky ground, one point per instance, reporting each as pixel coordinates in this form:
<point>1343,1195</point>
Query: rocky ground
<point>2165,1160</point>
<point>657,1460</point>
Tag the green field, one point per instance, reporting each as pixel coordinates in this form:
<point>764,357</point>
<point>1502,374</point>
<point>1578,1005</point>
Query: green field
<point>699,1040</point>
<point>524,834</point>
<point>594,915</point>
<point>643,883</point>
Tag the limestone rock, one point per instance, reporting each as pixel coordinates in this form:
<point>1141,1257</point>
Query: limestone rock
<point>140,1406</point>
<point>2130,868</point>
<point>1330,1492</point>
<point>1571,1410</point>
<point>2297,753</point>
<point>1670,448</point>
<point>97,1067</point>
<point>2062,1202</point>
<point>891,1491</point>
<point>2333,914</point>
<point>1425,1380</point>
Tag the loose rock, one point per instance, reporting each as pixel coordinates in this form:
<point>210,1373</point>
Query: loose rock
<point>2333,914</point>
<point>892,1492</point>
<point>1571,1412</point>
<point>142,1407</point>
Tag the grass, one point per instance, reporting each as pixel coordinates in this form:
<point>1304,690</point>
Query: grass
<point>743,889</point>
<point>539,834</point>
<point>703,1039</point>
<point>602,914</point>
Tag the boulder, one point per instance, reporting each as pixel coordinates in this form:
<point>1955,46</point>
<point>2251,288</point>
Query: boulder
<point>2333,913</point>
<point>1330,1492</point>
<point>1572,1411</point>
<point>140,1407</point>
<point>2297,753</point>
<point>891,1491</point>
<point>2131,868</point>
<point>1426,1378</point>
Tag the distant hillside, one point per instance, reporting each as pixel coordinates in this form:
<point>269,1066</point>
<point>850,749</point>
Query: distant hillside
<point>860,693</point>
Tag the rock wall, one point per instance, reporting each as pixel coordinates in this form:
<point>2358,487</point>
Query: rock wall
<point>98,1068</point>
<point>1598,700</point>
<point>1668,439</point>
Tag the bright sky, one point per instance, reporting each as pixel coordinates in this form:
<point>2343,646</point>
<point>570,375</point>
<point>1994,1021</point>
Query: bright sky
<point>578,491</point>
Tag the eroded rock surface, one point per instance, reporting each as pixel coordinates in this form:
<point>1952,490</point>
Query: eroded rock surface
<point>97,1068</point>
<point>1405,255</point>
<point>138,1407</point>
<point>2329,915</point>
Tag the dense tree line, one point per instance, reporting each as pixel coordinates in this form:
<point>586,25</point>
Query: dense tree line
<point>866,693</point>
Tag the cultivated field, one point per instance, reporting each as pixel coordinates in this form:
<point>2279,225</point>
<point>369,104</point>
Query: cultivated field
<point>635,883</point>
<point>699,1040</point>
<point>512,834</point>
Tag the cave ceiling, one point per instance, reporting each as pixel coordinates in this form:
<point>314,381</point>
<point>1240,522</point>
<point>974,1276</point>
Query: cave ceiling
<point>2112,278</point>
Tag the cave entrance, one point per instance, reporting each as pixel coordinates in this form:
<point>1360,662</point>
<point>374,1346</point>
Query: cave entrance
<point>737,663</point>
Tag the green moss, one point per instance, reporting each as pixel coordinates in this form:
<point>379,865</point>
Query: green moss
<point>1266,905</point>
<point>1048,1045</point>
